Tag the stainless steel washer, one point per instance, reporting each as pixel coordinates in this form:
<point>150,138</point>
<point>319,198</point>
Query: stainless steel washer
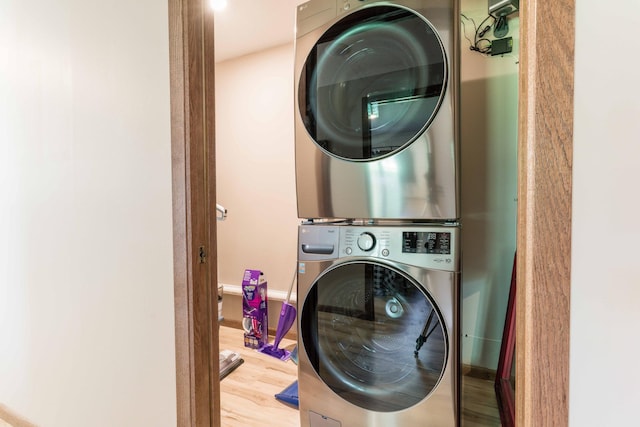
<point>376,117</point>
<point>378,325</point>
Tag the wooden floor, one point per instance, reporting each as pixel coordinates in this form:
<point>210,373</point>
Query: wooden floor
<point>247,394</point>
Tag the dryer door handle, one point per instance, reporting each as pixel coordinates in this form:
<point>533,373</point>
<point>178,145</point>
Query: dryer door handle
<point>318,249</point>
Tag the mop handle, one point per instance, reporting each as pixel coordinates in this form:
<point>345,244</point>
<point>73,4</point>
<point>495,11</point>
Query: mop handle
<point>293,280</point>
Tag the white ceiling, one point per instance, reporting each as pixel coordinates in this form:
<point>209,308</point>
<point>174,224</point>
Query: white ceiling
<point>247,26</point>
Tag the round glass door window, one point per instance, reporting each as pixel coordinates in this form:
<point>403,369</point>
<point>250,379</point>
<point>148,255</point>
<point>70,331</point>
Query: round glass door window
<point>374,336</point>
<point>372,83</point>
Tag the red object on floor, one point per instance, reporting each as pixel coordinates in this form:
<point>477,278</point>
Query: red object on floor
<point>504,391</point>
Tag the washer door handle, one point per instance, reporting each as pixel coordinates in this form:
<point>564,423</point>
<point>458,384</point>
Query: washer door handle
<point>318,249</point>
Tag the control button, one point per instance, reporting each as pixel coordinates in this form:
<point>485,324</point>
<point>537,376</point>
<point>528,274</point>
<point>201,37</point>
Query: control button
<point>366,241</point>
<point>385,252</point>
<point>348,250</point>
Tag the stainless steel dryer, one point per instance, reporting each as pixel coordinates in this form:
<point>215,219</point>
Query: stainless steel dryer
<point>378,325</point>
<point>376,121</point>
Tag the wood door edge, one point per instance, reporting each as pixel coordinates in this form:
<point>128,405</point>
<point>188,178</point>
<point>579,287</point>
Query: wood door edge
<point>545,151</point>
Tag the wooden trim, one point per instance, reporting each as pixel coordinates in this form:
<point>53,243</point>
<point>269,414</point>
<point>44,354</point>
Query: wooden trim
<point>12,418</point>
<point>478,372</point>
<point>194,231</point>
<point>544,212</point>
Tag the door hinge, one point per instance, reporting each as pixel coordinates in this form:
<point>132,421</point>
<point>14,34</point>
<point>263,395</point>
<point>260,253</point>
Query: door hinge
<point>203,255</point>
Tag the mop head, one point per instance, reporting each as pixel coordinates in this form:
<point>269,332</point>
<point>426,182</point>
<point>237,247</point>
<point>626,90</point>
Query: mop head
<point>273,351</point>
<point>285,321</point>
<point>289,395</point>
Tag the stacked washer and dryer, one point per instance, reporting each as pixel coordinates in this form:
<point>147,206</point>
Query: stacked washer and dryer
<point>377,177</point>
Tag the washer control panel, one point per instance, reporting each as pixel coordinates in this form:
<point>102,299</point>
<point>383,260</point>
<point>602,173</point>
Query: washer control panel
<point>427,242</point>
<point>432,246</point>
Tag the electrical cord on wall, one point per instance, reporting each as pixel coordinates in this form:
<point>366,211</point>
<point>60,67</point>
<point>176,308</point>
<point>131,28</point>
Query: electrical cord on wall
<point>480,43</point>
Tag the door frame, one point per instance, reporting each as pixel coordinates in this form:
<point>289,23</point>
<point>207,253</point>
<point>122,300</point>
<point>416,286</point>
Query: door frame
<point>545,151</point>
<point>545,160</point>
<point>194,222</point>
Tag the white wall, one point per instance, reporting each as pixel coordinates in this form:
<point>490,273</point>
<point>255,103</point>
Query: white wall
<point>605,278</point>
<point>255,168</point>
<point>489,137</point>
<point>86,286</point>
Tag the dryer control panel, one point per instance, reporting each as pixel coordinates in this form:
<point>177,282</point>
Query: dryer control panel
<point>427,246</point>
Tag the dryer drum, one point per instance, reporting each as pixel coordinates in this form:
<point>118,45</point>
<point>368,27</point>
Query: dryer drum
<point>372,85</point>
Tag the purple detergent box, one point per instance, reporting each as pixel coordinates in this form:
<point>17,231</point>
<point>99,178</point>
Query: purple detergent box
<point>254,309</point>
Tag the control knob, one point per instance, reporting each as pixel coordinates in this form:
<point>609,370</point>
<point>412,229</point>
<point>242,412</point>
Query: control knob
<point>366,241</point>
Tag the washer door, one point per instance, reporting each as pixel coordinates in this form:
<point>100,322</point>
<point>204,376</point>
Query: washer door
<point>361,326</point>
<point>372,83</point>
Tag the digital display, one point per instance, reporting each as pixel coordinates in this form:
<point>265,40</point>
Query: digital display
<point>426,242</point>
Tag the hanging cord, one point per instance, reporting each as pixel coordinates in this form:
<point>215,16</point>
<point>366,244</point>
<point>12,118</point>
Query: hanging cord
<point>480,43</point>
<point>464,26</point>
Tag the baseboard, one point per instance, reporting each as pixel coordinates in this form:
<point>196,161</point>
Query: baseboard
<point>237,324</point>
<point>478,372</point>
<point>273,294</point>
<point>232,310</point>
<point>14,420</point>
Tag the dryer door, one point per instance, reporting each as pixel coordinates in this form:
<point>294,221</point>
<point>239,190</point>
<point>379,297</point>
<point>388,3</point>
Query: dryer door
<point>372,83</point>
<point>374,336</point>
